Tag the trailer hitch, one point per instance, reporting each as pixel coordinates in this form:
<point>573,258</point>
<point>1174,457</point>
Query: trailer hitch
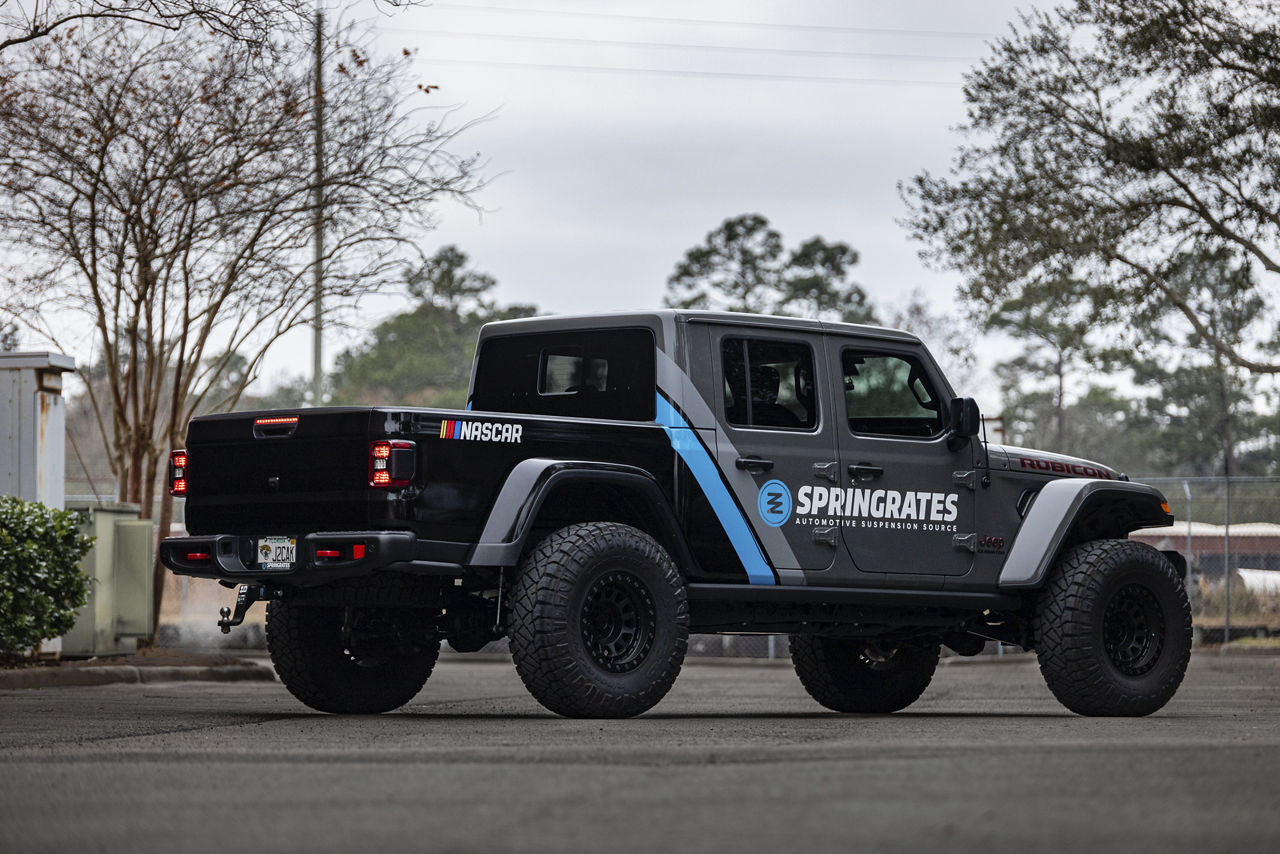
<point>245,597</point>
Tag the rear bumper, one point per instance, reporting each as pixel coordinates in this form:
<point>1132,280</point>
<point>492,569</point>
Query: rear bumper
<point>232,557</point>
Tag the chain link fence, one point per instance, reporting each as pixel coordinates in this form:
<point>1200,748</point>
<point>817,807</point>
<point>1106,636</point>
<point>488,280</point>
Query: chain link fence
<point>1229,531</point>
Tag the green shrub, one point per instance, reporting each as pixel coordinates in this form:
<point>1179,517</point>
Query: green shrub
<point>41,585</point>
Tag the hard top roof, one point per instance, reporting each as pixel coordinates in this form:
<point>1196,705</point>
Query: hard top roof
<point>560,322</point>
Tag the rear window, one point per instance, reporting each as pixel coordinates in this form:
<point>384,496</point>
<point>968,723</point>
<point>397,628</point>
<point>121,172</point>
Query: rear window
<point>583,374</point>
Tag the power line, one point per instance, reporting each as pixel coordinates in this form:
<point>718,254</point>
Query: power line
<point>653,19</point>
<point>674,72</point>
<point>700,47</point>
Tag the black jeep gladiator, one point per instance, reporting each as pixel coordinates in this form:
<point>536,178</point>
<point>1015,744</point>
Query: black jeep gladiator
<point>620,480</point>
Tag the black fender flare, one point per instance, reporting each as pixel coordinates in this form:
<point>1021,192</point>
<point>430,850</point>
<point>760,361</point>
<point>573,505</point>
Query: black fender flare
<point>1055,511</point>
<point>510,523</point>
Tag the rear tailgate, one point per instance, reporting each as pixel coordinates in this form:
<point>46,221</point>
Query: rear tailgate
<point>279,472</point>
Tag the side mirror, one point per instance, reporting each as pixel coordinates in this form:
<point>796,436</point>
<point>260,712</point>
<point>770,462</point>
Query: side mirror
<point>966,422</point>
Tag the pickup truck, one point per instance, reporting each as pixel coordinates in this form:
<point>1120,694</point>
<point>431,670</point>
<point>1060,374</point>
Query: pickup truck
<point>620,480</point>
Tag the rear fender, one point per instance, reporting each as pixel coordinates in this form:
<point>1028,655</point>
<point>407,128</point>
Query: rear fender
<point>515,511</point>
<point>1072,510</point>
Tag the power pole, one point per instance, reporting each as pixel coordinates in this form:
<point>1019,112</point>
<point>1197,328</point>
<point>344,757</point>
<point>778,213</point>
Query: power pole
<point>317,371</point>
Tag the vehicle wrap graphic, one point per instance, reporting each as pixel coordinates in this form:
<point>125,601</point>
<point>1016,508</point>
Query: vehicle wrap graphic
<point>684,441</point>
<point>676,385</point>
<point>877,504</point>
<point>774,503</point>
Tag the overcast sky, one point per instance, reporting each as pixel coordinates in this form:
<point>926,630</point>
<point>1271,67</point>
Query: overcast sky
<point>622,132</point>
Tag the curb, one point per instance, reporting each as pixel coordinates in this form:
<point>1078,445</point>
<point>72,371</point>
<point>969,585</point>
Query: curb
<point>58,677</point>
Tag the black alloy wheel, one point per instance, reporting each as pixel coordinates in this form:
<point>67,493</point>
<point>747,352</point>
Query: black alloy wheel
<point>619,621</point>
<point>1133,630</point>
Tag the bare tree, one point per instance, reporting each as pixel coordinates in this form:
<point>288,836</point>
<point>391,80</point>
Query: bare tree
<point>23,21</point>
<point>157,194</point>
<point>248,21</point>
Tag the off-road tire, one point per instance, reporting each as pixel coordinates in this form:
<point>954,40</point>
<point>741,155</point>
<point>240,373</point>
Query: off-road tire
<point>1113,629</point>
<point>599,621</point>
<point>845,675</point>
<point>318,667</point>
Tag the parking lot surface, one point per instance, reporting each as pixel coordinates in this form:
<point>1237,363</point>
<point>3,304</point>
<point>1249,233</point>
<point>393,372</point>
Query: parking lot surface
<point>737,758</point>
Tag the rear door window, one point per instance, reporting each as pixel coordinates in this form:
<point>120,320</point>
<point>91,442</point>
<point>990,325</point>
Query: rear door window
<point>768,383</point>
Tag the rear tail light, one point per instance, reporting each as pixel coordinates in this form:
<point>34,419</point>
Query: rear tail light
<point>178,473</point>
<point>392,463</point>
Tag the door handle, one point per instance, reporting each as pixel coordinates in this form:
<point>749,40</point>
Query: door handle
<point>865,471</point>
<point>753,464</point>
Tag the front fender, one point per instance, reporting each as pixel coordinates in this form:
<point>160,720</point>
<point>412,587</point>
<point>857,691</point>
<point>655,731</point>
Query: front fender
<point>511,519</point>
<point>1073,509</point>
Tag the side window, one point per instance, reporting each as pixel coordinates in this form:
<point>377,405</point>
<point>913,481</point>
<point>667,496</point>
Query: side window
<point>768,383</point>
<point>583,373</point>
<point>889,395</point>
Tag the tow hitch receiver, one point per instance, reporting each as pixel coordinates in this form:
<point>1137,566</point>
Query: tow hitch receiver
<point>245,597</point>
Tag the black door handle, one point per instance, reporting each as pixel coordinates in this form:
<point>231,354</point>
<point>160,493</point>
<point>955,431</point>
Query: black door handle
<point>865,471</point>
<point>753,464</point>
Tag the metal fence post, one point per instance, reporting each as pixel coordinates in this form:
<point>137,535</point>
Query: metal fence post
<point>1186,489</point>
<point>1226,565</point>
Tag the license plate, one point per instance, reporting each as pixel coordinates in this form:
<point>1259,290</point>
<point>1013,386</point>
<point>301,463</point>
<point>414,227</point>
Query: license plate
<point>277,552</point>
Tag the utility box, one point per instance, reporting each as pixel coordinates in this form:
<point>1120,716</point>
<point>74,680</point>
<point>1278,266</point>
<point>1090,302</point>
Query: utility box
<point>33,426</point>
<point>120,565</point>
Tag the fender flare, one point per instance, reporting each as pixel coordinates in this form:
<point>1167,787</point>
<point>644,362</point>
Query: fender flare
<point>1056,510</point>
<point>510,523</point>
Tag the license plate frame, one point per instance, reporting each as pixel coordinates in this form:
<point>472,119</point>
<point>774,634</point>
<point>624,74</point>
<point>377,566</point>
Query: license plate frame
<point>277,552</point>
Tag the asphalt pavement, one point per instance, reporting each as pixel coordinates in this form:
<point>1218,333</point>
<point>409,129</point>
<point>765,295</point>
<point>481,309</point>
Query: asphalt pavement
<point>736,759</point>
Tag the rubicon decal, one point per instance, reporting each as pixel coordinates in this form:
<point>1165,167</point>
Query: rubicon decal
<point>774,503</point>
<point>877,508</point>
<point>1058,467</point>
<point>481,431</point>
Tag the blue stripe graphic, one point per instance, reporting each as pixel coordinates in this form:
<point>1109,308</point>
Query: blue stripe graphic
<point>707,474</point>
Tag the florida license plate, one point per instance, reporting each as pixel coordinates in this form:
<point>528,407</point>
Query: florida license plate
<point>277,552</point>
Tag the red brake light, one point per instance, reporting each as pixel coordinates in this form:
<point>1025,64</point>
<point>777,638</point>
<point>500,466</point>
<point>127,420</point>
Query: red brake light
<point>328,553</point>
<point>195,556</point>
<point>391,463</point>
<point>178,473</point>
<point>267,422</point>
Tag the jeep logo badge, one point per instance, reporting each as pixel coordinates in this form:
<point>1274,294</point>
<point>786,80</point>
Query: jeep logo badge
<point>774,503</point>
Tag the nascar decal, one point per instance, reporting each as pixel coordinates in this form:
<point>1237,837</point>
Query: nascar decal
<point>481,431</point>
<point>859,508</point>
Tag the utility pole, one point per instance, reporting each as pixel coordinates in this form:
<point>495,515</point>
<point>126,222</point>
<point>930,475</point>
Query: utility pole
<point>317,374</point>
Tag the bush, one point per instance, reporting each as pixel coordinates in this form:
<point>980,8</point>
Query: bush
<point>41,585</point>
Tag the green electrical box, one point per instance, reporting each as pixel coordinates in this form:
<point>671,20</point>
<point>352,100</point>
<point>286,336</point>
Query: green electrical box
<point>120,565</point>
